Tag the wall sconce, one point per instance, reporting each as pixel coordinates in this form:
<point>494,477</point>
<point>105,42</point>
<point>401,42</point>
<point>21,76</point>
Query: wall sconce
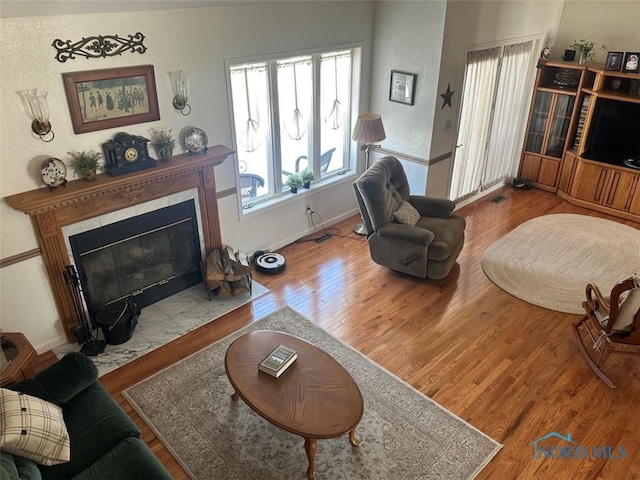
<point>180,89</point>
<point>35,104</point>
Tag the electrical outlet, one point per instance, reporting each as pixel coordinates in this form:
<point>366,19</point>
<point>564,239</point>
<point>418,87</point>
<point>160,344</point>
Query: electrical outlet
<point>308,211</point>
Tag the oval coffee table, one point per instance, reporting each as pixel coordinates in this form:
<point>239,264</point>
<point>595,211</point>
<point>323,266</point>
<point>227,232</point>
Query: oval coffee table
<point>315,397</point>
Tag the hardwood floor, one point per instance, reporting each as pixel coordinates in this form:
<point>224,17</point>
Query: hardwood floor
<point>508,368</point>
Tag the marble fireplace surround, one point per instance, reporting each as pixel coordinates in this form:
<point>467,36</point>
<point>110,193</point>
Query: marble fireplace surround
<point>81,200</point>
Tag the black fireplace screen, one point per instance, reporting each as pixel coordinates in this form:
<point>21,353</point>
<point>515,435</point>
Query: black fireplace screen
<point>149,257</point>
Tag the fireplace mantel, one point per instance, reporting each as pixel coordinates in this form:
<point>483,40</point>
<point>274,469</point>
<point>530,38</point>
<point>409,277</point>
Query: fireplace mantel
<point>80,200</point>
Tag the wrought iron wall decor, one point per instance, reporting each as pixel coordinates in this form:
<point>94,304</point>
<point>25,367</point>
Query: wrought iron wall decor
<point>99,46</point>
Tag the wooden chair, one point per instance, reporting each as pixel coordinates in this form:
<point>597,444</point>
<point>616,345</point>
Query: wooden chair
<point>612,324</point>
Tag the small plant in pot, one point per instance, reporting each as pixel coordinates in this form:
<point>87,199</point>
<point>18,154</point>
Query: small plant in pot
<point>163,142</point>
<point>294,182</point>
<point>306,176</point>
<point>585,50</point>
<point>86,164</point>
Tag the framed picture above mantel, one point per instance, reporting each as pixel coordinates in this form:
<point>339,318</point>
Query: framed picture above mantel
<point>113,97</point>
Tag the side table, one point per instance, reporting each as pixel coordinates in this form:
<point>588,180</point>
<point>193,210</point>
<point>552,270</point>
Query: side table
<point>22,358</point>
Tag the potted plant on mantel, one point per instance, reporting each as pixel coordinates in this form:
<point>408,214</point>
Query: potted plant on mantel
<point>585,50</point>
<point>294,182</point>
<point>163,142</point>
<point>86,164</point>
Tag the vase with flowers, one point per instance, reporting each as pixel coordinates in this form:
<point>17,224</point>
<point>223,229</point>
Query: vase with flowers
<point>585,50</point>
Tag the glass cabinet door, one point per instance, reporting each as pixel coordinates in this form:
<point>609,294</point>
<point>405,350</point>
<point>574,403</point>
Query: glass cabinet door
<point>560,120</point>
<point>539,117</point>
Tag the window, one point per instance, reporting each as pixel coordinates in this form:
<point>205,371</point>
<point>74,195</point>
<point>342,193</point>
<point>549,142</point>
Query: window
<point>290,113</point>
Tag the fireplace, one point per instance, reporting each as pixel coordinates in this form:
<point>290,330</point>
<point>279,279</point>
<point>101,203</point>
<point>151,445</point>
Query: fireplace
<point>148,257</point>
<point>81,200</point>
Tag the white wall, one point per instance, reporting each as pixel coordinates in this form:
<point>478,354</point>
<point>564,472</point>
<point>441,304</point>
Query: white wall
<point>195,40</point>
<point>615,23</point>
<point>407,37</point>
<point>471,23</point>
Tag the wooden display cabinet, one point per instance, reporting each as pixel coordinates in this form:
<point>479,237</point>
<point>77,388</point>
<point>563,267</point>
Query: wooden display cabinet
<point>550,121</point>
<point>606,188</point>
<point>565,100</point>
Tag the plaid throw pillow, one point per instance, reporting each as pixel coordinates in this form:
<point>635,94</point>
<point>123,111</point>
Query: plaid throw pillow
<point>32,428</point>
<point>406,214</point>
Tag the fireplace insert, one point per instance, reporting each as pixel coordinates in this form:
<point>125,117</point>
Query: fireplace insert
<point>147,258</point>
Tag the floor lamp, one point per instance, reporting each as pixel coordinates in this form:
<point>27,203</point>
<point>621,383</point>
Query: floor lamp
<point>368,130</point>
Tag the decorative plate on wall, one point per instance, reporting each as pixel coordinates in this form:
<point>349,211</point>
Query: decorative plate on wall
<point>196,141</point>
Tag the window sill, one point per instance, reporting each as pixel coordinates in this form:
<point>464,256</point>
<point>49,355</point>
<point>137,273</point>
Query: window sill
<point>263,205</point>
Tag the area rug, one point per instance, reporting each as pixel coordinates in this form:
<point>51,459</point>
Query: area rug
<point>549,260</point>
<point>164,321</point>
<point>403,434</point>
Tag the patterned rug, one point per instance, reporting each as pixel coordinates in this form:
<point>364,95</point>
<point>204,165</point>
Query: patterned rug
<point>403,434</point>
<point>549,260</point>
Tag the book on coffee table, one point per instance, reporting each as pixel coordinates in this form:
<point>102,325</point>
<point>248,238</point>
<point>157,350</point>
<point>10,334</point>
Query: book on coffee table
<point>278,361</point>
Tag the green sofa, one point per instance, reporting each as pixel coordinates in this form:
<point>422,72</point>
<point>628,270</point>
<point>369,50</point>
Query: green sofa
<point>105,443</point>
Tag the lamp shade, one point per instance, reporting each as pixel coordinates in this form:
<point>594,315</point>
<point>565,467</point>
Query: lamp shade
<point>368,129</point>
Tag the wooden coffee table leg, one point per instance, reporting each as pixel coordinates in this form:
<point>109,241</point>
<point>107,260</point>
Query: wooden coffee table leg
<point>352,437</point>
<point>234,396</point>
<point>311,447</point>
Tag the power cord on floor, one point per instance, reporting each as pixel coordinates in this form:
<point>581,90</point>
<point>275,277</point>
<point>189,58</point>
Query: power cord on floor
<point>325,232</point>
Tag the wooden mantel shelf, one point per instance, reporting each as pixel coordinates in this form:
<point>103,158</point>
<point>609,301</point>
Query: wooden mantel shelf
<point>80,200</point>
<point>41,199</point>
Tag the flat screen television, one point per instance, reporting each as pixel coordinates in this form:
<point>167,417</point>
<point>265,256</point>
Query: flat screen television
<point>614,134</point>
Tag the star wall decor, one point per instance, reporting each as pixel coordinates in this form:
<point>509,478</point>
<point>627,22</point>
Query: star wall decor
<point>446,96</point>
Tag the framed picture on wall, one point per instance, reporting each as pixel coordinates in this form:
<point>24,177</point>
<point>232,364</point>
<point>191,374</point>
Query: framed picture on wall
<point>113,97</point>
<point>402,87</point>
<point>630,63</point>
<point>614,61</point>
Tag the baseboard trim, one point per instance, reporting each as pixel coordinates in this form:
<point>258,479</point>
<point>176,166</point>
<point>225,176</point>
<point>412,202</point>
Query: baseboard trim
<point>327,223</point>
<point>50,345</point>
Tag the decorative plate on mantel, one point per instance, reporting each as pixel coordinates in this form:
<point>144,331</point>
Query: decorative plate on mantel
<point>196,141</point>
<point>53,172</point>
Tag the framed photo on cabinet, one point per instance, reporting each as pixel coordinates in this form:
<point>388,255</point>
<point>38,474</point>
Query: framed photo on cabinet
<point>614,61</point>
<point>630,62</point>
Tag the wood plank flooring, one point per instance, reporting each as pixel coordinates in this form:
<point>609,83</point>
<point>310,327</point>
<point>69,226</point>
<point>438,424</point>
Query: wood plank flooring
<point>508,368</point>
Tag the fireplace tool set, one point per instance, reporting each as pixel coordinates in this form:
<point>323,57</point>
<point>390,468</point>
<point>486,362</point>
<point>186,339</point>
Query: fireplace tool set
<point>84,329</point>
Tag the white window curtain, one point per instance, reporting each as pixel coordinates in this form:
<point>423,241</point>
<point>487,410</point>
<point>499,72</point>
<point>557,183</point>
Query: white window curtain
<point>509,118</point>
<point>477,98</point>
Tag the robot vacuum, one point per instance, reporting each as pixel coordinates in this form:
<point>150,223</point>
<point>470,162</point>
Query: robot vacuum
<point>270,263</point>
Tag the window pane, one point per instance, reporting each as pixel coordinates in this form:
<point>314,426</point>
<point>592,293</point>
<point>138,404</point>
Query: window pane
<point>335,83</point>
<point>250,95</point>
<point>290,113</point>
<point>295,95</point>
